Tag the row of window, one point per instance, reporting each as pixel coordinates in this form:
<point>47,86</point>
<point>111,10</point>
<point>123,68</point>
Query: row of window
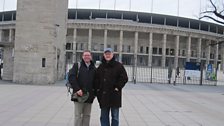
<point>129,60</point>
<point>142,49</point>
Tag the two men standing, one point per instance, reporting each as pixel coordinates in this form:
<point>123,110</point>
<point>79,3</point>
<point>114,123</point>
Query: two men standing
<point>109,79</point>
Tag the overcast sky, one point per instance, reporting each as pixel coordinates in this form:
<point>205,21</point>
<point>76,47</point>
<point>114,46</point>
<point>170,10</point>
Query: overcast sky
<point>187,8</point>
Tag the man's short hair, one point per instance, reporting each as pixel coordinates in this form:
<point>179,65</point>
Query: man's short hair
<point>86,51</point>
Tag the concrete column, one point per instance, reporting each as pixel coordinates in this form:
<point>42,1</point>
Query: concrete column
<point>189,49</point>
<point>120,46</point>
<point>208,52</point>
<point>199,50</point>
<point>150,49</point>
<point>164,50</point>
<point>105,39</point>
<point>74,44</point>
<point>135,56</point>
<point>216,55</point>
<point>177,51</point>
<point>0,35</point>
<point>136,48</point>
<point>10,35</point>
<point>90,39</point>
<point>222,58</point>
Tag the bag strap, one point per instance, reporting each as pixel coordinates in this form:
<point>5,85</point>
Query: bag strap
<point>78,67</point>
<point>77,73</point>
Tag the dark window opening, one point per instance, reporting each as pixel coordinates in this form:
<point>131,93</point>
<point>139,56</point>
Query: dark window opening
<point>204,27</point>
<point>194,25</point>
<point>160,51</point>
<point>43,62</point>
<point>158,20</point>
<point>154,51</point>
<point>68,46</point>
<point>167,51</point>
<point>172,52</point>
<point>147,50</point>
<point>171,21</point>
<point>141,49</point>
<point>183,23</point>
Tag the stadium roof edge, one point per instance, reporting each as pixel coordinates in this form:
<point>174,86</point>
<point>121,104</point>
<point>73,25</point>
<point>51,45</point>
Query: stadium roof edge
<point>142,17</point>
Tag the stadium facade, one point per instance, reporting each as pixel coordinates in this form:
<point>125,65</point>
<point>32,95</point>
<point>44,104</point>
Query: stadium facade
<point>138,39</point>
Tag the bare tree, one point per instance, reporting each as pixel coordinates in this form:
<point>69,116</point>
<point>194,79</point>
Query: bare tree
<point>216,10</point>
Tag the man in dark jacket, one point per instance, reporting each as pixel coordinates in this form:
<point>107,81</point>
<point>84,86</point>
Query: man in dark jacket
<point>110,78</point>
<point>81,79</point>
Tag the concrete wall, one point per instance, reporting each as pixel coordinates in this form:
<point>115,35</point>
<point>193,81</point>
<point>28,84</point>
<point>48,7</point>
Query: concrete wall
<point>8,63</point>
<point>40,33</point>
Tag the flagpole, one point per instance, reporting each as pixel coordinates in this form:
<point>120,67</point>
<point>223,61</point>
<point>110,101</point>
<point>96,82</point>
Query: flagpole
<point>76,4</point>
<point>3,7</point>
<point>114,4</point>
<point>151,6</point>
<point>99,4</point>
<point>200,9</point>
<point>178,7</point>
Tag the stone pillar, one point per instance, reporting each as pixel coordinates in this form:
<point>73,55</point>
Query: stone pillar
<point>135,56</point>
<point>216,55</point>
<point>208,52</point>
<point>90,39</point>
<point>120,46</point>
<point>10,35</point>
<point>105,38</point>
<point>150,49</point>
<point>188,49</point>
<point>199,50</point>
<point>164,50</point>
<point>177,51</point>
<point>222,58</point>
<point>74,44</point>
<point>136,48</point>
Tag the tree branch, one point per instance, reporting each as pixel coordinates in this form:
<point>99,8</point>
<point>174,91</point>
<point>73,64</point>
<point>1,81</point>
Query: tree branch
<point>212,19</point>
<point>219,15</point>
<point>207,12</point>
<point>213,5</point>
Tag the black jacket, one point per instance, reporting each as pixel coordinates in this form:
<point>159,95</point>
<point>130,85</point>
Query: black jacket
<point>110,75</point>
<point>85,79</point>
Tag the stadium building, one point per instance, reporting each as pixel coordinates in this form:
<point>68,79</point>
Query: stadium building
<point>138,39</point>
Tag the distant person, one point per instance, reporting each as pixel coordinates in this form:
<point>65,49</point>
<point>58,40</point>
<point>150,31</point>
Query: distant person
<point>169,74</point>
<point>110,78</point>
<point>81,79</point>
<point>178,72</point>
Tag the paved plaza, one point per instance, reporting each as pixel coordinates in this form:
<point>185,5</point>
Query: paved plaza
<point>143,105</point>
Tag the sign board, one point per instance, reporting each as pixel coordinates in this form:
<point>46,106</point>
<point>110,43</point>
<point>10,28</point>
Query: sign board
<point>193,69</point>
<point>210,73</point>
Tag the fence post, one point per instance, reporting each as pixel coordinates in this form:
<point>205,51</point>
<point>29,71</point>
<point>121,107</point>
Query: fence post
<point>151,74</point>
<point>201,77</point>
<point>174,83</point>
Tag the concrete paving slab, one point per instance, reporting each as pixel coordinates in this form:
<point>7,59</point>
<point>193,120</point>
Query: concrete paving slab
<point>143,105</point>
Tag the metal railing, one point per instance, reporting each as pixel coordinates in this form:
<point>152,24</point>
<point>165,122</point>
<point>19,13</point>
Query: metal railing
<point>161,75</point>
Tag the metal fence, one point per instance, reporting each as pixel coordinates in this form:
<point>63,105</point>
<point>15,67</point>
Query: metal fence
<point>160,75</point>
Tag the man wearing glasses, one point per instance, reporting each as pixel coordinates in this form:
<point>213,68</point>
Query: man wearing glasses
<point>81,79</point>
